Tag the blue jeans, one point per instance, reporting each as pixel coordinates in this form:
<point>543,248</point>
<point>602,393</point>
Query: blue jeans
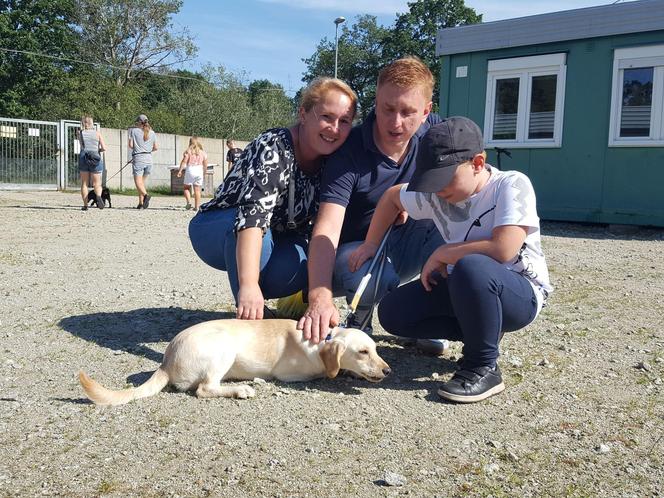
<point>479,301</point>
<point>408,248</point>
<point>283,263</point>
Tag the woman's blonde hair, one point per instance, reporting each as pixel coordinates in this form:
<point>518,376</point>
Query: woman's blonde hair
<point>146,130</point>
<point>195,145</point>
<point>318,88</point>
<point>87,123</point>
<point>408,72</point>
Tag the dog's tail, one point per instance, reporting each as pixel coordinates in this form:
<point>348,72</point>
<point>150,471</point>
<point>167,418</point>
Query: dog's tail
<point>102,396</point>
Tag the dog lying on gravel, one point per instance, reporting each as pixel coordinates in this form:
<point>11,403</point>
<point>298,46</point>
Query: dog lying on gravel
<point>203,355</point>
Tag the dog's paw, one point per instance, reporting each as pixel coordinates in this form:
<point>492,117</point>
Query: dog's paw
<point>244,392</point>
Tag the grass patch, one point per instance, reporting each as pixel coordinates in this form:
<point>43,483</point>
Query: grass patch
<point>106,487</point>
<point>10,259</point>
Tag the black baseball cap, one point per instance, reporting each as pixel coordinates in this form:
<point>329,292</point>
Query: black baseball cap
<point>444,146</point>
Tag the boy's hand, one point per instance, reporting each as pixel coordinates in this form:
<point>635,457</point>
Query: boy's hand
<point>402,218</point>
<point>436,264</point>
<point>361,254</point>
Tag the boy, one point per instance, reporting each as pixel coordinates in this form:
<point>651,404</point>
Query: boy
<point>489,278</point>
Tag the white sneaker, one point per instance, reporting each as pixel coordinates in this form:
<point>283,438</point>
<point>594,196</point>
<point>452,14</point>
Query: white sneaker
<point>434,347</point>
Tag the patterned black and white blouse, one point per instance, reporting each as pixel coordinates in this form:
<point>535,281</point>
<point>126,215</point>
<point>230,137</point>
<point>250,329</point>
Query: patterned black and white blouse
<point>258,186</point>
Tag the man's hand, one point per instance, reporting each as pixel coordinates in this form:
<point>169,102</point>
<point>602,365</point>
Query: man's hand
<point>321,315</point>
<point>250,303</point>
<point>360,255</point>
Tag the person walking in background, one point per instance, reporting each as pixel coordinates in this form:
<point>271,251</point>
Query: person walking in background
<point>194,163</point>
<point>232,155</point>
<point>142,142</point>
<point>90,165</point>
<point>257,227</point>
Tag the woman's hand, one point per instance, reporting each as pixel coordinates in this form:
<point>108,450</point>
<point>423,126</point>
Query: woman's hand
<point>250,303</point>
<point>180,174</point>
<point>361,254</point>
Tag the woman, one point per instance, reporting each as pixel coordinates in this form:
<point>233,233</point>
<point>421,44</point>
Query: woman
<point>90,165</point>
<point>142,142</point>
<point>257,226</point>
<point>194,164</point>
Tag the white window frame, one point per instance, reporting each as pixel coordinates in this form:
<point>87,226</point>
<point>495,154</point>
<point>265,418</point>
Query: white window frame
<point>637,57</point>
<point>525,68</point>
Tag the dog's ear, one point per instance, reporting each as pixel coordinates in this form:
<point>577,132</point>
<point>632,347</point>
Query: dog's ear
<point>331,353</point>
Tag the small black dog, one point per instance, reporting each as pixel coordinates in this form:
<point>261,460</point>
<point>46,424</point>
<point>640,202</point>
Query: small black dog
<point>105,197</point>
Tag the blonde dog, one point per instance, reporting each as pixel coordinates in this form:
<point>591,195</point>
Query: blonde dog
<point>203,355</point>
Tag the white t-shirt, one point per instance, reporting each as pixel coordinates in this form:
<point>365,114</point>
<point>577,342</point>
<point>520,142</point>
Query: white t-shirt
<point>507,198</point>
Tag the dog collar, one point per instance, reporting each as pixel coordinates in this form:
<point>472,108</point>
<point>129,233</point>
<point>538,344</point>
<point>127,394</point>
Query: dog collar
<point>328,337</point>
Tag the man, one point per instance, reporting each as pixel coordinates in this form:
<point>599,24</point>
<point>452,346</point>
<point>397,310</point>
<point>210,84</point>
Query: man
<point>232,155</point>
<point>378,154</point>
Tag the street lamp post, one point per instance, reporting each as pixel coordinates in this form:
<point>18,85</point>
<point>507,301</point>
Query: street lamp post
<point>337,21</point>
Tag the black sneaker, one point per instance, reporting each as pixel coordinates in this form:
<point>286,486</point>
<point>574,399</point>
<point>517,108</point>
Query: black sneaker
<point>146,201</point>
<point>100,202</point>
<point>84,208</point>
<point>470,385</point>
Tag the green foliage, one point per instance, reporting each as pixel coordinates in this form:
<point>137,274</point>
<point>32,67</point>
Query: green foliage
<point>131,37</point>
<point>414,32</point>
<point>34,26</point>
<point>112,59</point>
<point>359,61</point>
<point>366,47</point>
<point>128,48</point>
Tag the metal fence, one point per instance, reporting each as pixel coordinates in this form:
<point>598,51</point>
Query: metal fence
<point>38,154</point>
<point>29,154</point>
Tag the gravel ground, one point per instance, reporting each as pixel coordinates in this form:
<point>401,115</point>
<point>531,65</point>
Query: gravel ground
<point>583,413</point>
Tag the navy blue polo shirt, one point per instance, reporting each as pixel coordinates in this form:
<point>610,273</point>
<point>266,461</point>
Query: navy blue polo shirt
<point>358,174</point>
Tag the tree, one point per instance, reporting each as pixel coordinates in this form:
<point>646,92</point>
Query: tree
<point>414,33</point>
<point>40,44</point>
<point>131,38</point>
<point>360,59</point>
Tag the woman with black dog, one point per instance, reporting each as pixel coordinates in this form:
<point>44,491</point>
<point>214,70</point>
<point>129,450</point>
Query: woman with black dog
<point>90,165</point>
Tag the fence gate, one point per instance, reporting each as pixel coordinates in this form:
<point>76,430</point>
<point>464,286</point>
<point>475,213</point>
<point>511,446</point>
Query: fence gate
<point>29,154</point>
<point>70,152</point>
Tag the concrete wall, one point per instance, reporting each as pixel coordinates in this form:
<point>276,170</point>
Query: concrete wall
<point>167,156</point>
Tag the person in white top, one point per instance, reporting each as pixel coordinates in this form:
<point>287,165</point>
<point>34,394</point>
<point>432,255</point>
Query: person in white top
<point>194,163</point>
<point>491,275</point>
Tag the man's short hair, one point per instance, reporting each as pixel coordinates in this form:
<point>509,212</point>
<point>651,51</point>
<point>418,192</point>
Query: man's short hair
<point>408,72</point>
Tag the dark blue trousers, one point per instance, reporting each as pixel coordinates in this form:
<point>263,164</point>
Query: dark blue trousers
<point>476,304</point>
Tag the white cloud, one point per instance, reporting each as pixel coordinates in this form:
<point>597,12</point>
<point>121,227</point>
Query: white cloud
<point>348,6</point>
<point>508,9</point>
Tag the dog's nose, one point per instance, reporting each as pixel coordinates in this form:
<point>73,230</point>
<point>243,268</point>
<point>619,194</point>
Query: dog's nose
<point>387,371</point>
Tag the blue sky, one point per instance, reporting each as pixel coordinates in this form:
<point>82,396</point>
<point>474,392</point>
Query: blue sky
<point>267,39</point>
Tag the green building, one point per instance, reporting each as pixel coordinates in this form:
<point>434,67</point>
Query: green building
<point>577,97</point>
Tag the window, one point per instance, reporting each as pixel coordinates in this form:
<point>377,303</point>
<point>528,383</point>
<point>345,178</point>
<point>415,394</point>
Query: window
<point>637,99</point>
<point>524,101</point>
